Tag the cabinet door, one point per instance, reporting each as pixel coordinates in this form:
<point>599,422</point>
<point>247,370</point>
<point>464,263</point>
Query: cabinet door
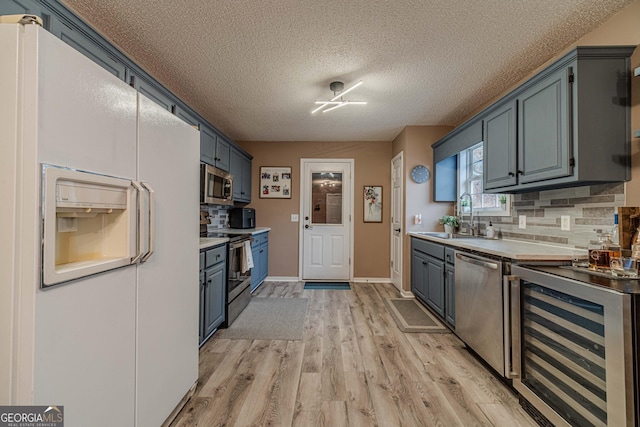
<point>543,129</point>
<point>255,252</point>
<point>150,90</point>
<point>418,275</point>
<point>449,295</point>
<point>223,151</point>
<point>201,308</point>
<point>500,155</point>
<point>207,145</point>
<point>88,47</point>
<point>235,168</point>
<point>435,285</point>
<point>214,299</point>
<point>246,180</point>
<point>187,116</point>
<point>264,254</point>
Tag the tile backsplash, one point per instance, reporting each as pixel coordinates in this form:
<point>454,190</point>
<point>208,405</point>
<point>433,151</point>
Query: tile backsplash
<point>218,215</point>
<point>589,207</point>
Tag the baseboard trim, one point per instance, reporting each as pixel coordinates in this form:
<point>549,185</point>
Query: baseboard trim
<point>407,294</point>
<point>371,280</point>
<point>282,279</point>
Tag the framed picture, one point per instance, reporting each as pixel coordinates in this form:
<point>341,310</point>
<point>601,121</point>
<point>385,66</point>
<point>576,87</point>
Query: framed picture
<point>372,203</point>
<point>275,182</point>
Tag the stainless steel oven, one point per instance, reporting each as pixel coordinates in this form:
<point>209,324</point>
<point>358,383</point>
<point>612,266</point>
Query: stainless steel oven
<point>238,276</point>
<point>216,186</point>
<point>571,344</point>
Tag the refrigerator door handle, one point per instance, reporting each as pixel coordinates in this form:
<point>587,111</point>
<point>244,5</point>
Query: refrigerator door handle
<point>512,329</point>
<point>150,225</point>
<point>138,233</point>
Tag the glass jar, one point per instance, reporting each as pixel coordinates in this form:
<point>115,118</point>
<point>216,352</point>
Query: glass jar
<point>601,251</point>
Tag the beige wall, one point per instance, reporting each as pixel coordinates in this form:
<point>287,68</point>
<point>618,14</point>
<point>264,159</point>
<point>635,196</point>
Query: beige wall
<point>372,167</point>
<point>415,144</point>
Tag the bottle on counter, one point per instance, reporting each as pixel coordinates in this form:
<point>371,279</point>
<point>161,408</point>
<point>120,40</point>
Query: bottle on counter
<point>491,232</point>
<point>615,237</point>
<point>601,251</point>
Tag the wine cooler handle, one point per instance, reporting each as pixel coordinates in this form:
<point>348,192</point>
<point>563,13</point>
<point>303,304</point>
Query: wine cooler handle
<point>512,331</point>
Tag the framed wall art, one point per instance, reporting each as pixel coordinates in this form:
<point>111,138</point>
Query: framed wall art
<point>275,182</point>
<point>372,203</point>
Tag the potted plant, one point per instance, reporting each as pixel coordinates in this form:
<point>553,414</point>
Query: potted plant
<point>450,222</point>
<point>503,201</point>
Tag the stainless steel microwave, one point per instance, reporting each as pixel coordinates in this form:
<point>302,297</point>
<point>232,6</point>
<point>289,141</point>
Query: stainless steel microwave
<point>216,186</point>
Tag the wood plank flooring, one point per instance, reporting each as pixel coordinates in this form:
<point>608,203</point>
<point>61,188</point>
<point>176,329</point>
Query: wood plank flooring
<point>354,367</point>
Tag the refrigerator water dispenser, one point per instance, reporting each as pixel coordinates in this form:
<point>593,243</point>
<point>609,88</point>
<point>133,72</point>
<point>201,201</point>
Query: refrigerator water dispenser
<point>90,224</point>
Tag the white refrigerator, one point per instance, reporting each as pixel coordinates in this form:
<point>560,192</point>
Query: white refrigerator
<point>120,347</point>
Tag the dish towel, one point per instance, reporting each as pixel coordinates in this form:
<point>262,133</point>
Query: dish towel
<point>247,257</point>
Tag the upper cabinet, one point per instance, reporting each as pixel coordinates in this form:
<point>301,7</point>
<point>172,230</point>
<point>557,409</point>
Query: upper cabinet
<point>567,126</point>
<point>214,148</point>
<point>240,164</point>
<point>445,159</point>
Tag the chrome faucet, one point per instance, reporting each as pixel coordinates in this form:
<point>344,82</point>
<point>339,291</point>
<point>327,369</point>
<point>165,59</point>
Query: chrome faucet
<point>472,226</point>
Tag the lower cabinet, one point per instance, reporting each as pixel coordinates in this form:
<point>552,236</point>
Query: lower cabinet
<point>213,280</point>
<point>432,278</point>
<point>260,252</point>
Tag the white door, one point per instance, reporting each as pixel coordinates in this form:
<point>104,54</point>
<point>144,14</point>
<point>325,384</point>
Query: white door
<point>396,221</point>
<point>326,199</point>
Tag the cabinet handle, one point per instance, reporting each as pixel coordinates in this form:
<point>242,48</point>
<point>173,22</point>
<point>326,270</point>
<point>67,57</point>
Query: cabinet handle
<point>512,174</point>
<point>520,172</point>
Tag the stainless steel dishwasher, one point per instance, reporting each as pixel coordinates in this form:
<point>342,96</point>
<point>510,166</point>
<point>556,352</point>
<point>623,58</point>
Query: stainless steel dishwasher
<point>479,307</point>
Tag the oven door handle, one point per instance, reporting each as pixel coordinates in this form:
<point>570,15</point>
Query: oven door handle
<point>512,341</point>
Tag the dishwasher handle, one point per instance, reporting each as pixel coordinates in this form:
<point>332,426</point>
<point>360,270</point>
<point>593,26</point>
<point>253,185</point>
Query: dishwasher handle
<point>477,261</point>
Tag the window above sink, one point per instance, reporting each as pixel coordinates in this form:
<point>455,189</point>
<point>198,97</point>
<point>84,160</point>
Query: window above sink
<point>470,179</point>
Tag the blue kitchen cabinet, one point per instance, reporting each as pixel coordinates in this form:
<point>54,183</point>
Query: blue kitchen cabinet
<point>499,137</point>
<point>432,277</point>
<point>186,115</point>
<point>260,253</point>
<point>549,132</point>
<point>240,168</point>
<point>149,89</point>
<point>215,149</point>
<point>449,287</point>
<point>213,284</point>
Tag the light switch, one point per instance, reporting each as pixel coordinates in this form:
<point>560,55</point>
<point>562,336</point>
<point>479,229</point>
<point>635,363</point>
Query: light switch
<point>522,221</point>
<point>565,223</point>
<point>294,218</point>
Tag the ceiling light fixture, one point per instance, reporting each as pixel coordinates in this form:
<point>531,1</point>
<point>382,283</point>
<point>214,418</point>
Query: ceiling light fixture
<point>338,101</point>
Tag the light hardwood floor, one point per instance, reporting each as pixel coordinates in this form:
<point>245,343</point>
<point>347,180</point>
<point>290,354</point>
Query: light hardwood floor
<point>354,367</point>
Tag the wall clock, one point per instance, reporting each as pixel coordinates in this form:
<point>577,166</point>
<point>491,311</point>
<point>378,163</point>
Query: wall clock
<point>420,174</point>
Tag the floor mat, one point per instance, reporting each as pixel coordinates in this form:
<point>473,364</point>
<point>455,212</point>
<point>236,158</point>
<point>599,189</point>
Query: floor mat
<point>412,316</point>
<point>327,285</point>
<point>269,319</point>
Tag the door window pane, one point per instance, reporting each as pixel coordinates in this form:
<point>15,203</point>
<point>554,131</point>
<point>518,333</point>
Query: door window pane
<point>326,198</point>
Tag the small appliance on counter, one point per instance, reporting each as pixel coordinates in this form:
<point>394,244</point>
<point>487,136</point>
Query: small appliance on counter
<point>242,218</point>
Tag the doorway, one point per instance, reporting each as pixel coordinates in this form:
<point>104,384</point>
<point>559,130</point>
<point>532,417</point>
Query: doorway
<point>396,220</point>
<point>326,233</point>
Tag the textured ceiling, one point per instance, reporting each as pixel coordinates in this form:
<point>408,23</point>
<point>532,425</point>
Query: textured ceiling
<point>254,68</point>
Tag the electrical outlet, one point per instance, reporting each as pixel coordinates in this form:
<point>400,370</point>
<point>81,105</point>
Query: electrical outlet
<point>294,218</point>
<point>565,223</point>
<point>522,221</point>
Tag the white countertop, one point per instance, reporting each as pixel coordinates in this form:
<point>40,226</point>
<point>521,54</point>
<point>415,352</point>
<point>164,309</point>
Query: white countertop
<point>207,242</point>
<point>513,249</point>
<point>251,231</point>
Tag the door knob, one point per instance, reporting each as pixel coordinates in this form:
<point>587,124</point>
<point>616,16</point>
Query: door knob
<point>306,226</point>
<point>397,229</point>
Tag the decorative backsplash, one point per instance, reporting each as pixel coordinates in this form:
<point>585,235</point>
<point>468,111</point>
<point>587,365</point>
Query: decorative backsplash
<point>218,215</point>
<point>589,207</point>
